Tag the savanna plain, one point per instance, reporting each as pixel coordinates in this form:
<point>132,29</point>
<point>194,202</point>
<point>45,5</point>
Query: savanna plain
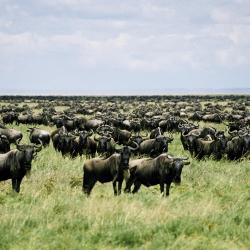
<point>209,210</point>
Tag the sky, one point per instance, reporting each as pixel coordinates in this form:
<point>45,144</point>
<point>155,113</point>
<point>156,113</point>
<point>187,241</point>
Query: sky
<point>124,47</point>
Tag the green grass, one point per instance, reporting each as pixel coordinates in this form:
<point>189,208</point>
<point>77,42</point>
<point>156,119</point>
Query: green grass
<point>210,210</point>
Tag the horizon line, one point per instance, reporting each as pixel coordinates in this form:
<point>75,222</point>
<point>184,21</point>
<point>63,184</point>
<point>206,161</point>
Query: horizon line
<point>116,92</point>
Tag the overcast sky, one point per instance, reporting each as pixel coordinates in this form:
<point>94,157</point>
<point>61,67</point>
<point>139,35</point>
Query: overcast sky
<point>132,46</point>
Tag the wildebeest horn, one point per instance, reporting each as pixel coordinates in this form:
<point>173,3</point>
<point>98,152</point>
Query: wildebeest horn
<point>19,147</point>
<point>243,133</point>
<point>18,141</point>
<point>95,138</point>
<point>104,128</point>
<point>134,149</point>
<point>39,147</point>
<point>180,125</point>
<point>232,132</point>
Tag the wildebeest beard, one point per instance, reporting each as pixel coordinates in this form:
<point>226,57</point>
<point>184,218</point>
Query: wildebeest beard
<point>123,171</point>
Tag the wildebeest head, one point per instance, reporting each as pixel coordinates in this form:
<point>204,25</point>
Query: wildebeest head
<point>103,143</point>
<point>177,166</point>
<point>221,138</point>
<point>84,135</point>
<point>172,167</point>
<point>162,143</point>
<point>27,153</point>
<point>125,153</point>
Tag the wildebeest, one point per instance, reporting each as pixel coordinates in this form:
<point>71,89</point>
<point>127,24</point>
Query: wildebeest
<point>13,135</point>
<point>4,144</point>
<point>162,170</point>
<point>105,145</point>
<point>16,164</point>
<point>238,145</point>
<point>64,142</point>
<point>155,147</point>
<point>38,135</point>
<point>86,144</point>
<point>188,138</point>
<point>121,136</point>
<point>214,147</point>
<point>115,169</point>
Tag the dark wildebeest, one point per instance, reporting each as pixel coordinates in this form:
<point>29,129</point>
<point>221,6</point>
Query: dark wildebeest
<point>105,145</point>
<point>12,134</point>
<point>16,164</point>
<point>115,169</point>
<point>121,136</point>
<point>38,135</point>
<point>214,147</point>
<point>238,145</point>
<point>162,170</point>
<point>56,135</point>
<point>155,147</point>
<point>4,144</point>
<point>189,138</point>
<point>86,144</point>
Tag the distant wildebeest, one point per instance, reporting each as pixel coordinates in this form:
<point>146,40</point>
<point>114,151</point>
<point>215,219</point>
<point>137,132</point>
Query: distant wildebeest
<point>238,145</point>
<point>115,169</point>
<point>214,147</point>
<point>105,144</point>
<point>121,136</point>
<point>188,138</point>
<point>86,144</point>
<point>162,170</point>
<point>39,136</point>
<point>12,135</point>
<point>16,164</point>
<point>155,147</point>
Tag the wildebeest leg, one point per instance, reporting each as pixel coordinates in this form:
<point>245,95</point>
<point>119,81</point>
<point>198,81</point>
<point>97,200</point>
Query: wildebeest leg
<point>137,186</point>
<point>16,185</point>
<point>129,183</point>
<point>167,189</point>
<point>119,187</point>
<point>88,184</point>
<point>162,187</point>
<point>114,187</point>
<point>91,184</point>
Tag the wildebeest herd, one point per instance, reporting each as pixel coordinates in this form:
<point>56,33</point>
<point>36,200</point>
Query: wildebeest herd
<point>124,137</point>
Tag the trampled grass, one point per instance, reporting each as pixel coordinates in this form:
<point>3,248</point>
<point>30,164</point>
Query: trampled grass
<point>210,210</point>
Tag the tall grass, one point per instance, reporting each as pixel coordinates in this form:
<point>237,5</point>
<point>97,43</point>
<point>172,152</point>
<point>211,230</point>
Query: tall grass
<point>210,210</point>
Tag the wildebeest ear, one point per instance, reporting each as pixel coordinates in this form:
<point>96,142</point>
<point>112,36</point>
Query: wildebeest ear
<point>186,163</point>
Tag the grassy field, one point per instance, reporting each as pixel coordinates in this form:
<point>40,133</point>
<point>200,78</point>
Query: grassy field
<point>210,210</point>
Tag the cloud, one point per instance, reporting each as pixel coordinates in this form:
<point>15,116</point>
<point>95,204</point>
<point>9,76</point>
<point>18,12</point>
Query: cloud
<point>130,36</point>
